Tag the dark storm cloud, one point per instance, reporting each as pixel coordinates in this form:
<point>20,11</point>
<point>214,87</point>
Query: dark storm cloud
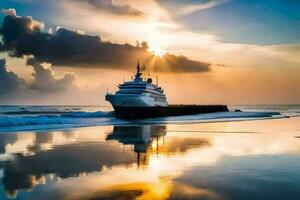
<point>110,6</point>
<point>24,36</point>
<point>9,82</point>
<point>175,64</point>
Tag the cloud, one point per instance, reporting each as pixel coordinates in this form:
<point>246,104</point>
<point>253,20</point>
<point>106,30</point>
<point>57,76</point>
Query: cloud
<point>176,64</point>
<point>45,80</point>
<point>9,11</point>
<point>189,9</point>
<point>182,8</point>
<point>45,87</point>
<point>112,7</point>
<point>24,36</point>
<point>10,82</point>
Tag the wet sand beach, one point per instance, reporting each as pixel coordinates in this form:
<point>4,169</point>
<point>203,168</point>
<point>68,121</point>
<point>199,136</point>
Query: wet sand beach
<point>224,160</point>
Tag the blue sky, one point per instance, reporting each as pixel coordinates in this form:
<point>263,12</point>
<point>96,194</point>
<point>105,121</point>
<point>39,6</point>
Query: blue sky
<point>43,10</point>
<point>262,22</point>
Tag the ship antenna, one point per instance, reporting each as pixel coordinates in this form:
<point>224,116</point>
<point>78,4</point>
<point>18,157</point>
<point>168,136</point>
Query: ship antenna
<point>156,80</point>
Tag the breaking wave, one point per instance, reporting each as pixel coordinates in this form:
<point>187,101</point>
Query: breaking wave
<point>71,119</point>
<point>26,112</point>
<point>88,114</point>
<point>37,120</point>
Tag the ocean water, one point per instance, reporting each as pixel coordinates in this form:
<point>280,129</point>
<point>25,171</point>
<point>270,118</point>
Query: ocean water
<point>20,118</point>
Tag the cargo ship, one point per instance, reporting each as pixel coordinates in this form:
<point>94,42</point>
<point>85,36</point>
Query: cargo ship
<point>141,98</point>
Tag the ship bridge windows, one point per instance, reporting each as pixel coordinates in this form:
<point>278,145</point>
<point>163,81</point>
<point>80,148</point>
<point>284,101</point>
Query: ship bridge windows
<point>139,91</point>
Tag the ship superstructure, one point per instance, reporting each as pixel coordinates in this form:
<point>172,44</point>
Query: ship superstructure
<point>138,93</point>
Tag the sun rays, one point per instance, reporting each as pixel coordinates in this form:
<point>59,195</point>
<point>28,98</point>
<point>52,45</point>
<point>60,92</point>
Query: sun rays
<point>157,51</point>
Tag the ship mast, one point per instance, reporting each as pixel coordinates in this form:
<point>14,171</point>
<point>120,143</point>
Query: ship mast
<point>137,77</point>
<point>138,69</point>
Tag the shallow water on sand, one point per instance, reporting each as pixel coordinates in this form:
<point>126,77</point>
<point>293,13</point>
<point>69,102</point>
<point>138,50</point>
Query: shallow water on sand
<point>224,160</point>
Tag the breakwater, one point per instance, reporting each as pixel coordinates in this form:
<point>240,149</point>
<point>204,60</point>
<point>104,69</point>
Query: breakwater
<point>171,110</point>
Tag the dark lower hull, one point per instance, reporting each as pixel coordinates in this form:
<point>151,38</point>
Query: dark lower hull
<point>171,110</point>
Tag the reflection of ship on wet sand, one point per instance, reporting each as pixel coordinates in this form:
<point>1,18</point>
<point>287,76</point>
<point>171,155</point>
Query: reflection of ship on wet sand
<point>141,137</point>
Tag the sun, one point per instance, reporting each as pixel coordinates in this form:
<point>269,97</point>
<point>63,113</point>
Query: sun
<point>157,51</point>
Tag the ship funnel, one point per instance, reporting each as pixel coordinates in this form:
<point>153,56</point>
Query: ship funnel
<point>149,80</point>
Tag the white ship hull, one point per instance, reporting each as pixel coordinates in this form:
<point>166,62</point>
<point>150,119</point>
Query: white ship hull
<point>133,100</point>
